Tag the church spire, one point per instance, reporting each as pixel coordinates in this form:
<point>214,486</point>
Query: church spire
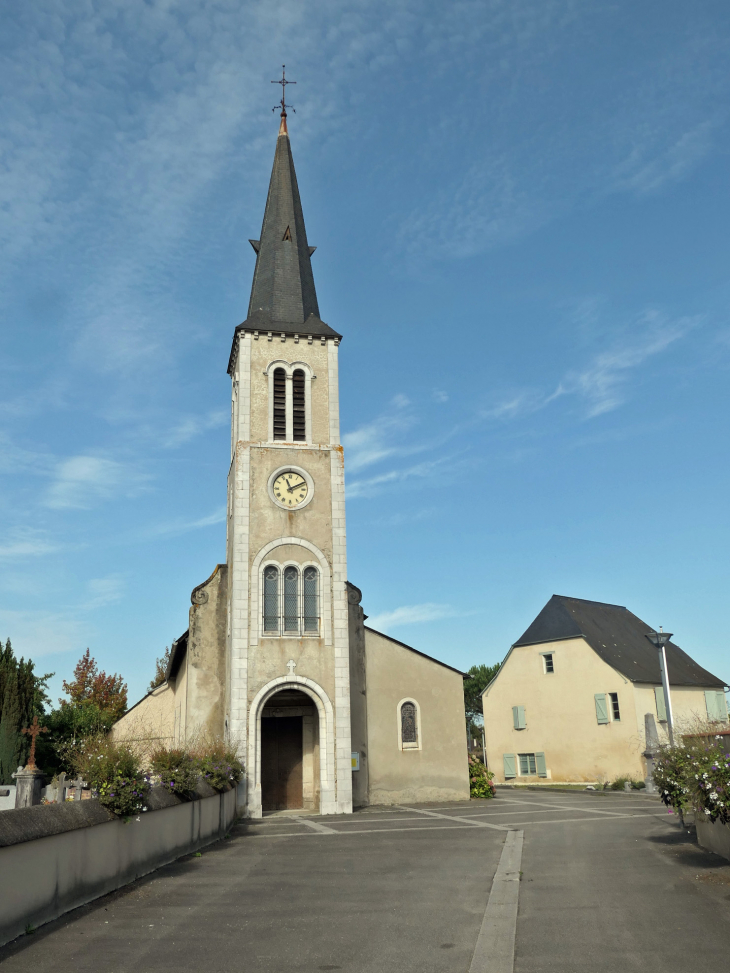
<point>283,291</point>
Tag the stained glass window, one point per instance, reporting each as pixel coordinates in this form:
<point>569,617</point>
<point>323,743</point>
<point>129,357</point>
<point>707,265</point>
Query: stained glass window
<point>271,599</point>
<point>408,728</point>
<point>311,600</point>
<point>291,599</point>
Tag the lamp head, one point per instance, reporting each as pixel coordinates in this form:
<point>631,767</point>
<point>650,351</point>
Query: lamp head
<point>659,638</point>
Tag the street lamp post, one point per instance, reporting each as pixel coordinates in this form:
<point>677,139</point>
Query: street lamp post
<point>660,639</point>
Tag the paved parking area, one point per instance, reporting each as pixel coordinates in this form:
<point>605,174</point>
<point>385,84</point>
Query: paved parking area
<point>601,882</point>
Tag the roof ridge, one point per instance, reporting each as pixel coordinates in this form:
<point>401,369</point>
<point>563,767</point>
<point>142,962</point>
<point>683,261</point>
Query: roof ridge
<point>591,601</point>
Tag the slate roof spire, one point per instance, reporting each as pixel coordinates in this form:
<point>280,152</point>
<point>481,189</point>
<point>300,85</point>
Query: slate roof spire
<point>283,295</point>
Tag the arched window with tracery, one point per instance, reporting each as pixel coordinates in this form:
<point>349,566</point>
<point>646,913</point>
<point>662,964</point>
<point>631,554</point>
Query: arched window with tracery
<point>409,725</point>
<point>279,403</point>
<point>299,416</point>
<point>271,599</point>
<point>311,600</point>
<point>291,600</point>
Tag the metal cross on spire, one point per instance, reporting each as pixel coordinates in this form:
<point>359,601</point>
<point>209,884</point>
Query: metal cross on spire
<point>282,104</point>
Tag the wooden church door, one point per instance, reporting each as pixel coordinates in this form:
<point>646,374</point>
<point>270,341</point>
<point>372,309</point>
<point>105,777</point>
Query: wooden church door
<point>281,763</point>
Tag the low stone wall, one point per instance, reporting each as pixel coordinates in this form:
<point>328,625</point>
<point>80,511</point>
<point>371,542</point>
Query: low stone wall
<point>714,836</point>
<point>56,857</point>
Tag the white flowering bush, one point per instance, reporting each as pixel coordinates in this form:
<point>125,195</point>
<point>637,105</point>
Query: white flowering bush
<point>696,776</point>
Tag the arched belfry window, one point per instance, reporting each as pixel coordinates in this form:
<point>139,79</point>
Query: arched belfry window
<point>299,416</point>
<point>279,403</point>
<point>409,730</point>
<point>271,599</point>
<point>290,407</point>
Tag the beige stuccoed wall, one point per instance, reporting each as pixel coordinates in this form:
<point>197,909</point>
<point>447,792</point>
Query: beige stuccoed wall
<point>560,714</point>
<point>437,771</point>
<point>688,707</point>
<point>205,662</point>
<point>151,720</point>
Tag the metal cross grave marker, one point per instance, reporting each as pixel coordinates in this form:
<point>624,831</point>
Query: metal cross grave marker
<point>33,730</point>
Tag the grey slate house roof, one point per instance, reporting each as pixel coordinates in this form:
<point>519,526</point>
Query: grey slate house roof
<point>619,638</point>
<point>283,295</point>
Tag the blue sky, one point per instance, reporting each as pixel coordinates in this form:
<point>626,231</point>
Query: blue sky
<point>521,214</point>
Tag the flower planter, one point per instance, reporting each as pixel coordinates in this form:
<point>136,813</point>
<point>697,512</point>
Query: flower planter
<point>714,836</point>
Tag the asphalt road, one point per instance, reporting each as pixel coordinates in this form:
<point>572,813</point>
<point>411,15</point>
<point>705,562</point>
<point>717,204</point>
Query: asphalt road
<point>607,882</point>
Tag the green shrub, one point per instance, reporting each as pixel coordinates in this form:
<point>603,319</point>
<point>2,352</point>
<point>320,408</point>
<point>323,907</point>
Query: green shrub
<point>480,779</point>
<point>219,766</point>
<point>175,769</point>
<point>114,771</point>
<point>618,784</point>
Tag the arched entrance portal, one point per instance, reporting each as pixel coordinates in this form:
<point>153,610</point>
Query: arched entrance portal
<point>290,771</point>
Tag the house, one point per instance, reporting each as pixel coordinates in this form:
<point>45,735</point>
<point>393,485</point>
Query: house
<point>570,699</point>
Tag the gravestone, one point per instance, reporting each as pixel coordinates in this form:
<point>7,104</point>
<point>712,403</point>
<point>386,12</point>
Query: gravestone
<point>29,784</point>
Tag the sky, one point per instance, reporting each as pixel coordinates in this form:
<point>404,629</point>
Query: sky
<point>521,213</point>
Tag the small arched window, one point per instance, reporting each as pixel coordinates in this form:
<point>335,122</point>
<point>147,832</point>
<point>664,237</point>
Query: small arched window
<point>271,599</point>
<point>291,600</point>
<point>279,403</point>
<point>311,600</point>
<point>299,418</point>
<point>409,724</point>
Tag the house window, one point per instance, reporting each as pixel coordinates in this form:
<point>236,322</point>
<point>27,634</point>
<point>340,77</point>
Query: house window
<point>547,659</point>
<point>528,765</point>
<point>279,403</point>
<point>291,607</point>
<point>271,599</point>
<point>299,418</point>
<point>408,725</point>
<point>615,711</point>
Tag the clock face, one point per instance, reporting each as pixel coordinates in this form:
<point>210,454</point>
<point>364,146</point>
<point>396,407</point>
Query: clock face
<point>290,489</point>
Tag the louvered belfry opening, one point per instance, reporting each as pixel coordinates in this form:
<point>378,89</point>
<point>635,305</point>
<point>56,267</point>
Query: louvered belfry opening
<point>298,393</point>
<point>279,403</point>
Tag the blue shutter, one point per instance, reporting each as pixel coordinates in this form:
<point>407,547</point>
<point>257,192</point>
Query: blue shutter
<point>541,766</point>
<point>601,708</point>
<point>510,765</point>
<point>518,717</point>
<point>661,709</point>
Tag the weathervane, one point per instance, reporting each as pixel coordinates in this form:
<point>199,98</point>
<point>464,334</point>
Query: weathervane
<point>283,84</point>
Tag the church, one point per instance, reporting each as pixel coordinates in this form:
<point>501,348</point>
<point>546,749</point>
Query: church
<point>327,713</point>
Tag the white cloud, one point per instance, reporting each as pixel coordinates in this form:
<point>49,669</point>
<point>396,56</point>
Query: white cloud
<point>602,384</point>
<point>410,615</point>
<point>646,174</point>
<point>193,426</point>
<point>26,542</point>
<point>370,487</point>
<point>81,480</point>
<point>103,591</point>
<point>38,633</point>
<point>183,526</point>
<point>374,441</point>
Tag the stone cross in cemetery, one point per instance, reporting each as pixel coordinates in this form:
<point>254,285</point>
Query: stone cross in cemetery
<point>33,730</point>
<point>78,786</point>
<point>28,779</point>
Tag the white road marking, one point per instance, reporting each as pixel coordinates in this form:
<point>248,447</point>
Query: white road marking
<point>495,948</point>
<point>314,825</point>
<point>462,817</point>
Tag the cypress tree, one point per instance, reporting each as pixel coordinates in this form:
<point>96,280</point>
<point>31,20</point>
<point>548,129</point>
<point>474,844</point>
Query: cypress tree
<point>12,742</point>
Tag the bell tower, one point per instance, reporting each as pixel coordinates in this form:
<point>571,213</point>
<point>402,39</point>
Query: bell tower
<point>287,655</point>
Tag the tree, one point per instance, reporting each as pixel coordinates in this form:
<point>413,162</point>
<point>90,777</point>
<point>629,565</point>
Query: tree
<point>478,679</point>
<point>23,695</point>
<point>161,665</point>
<point>89,686</point>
